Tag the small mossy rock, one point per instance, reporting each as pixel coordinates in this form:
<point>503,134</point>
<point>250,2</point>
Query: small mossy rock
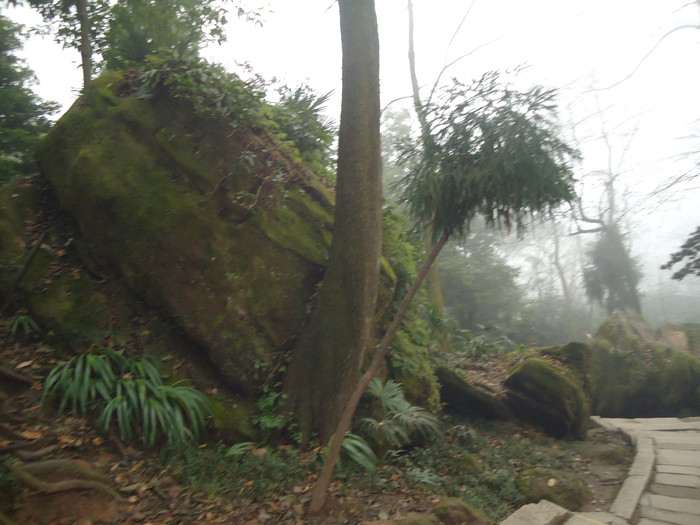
<point>548,396</point>
<point>454,511</point>
<point>233,421</point>
<point>467,463</point>
<point>606,453</point>
<point>463,398</point>
<point>556,486</point>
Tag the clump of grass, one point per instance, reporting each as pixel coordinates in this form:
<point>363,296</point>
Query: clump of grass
<point>23,321</point>
<point>247,471</point>
<point>130,394</point>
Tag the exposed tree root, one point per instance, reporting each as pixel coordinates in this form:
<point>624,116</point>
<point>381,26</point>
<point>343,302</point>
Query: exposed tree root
<point>26,474</point>
<point>23,445</point>
<point>32,455</point>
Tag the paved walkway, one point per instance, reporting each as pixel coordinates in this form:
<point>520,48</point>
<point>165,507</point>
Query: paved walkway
<point>662,486</point>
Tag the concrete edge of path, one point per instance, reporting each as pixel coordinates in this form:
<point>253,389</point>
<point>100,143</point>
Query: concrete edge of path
<point>639,475</point>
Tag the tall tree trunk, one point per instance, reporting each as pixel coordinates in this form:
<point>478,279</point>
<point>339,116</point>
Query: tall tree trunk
<point>326,361</point>
<point>318,496</point>
<point>85,44</point>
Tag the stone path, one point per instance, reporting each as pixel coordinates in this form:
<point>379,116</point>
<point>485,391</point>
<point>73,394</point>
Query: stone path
<point>662,486</point>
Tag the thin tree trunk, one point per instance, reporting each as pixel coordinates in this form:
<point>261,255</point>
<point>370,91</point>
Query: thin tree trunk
<point>318,497</point>
<point>327,359</point>
<point>433,286</point>
<point>85,44</point>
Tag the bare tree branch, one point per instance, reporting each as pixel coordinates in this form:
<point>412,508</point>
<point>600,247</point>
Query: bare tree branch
<point>645,57</point>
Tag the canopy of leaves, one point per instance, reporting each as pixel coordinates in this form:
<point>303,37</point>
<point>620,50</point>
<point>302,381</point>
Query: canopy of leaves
<point>63,16</point>
<point>23,116</point>
<point>299,116</point>
<point>296,120</point>
<point>492,151</point>
<point>690,250</point>
<point>138,28</point>
<point>127,31</point>
<point>611,276</point>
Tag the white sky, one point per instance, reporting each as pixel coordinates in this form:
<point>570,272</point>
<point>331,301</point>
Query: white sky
<point>574,46</point>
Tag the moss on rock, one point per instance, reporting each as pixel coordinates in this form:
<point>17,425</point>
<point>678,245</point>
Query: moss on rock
<point>550,397</point>
<point>636,372</point>
<point>557,486</point>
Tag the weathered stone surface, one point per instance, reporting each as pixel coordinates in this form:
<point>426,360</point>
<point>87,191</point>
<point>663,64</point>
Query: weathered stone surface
<point>541,513</point>
<point>548,396</point>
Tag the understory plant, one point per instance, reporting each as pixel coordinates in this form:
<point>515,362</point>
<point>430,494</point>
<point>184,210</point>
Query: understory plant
<point>23,321</point>
<point>131,394</point>
<point>399,420</point>
<point>397,425</point>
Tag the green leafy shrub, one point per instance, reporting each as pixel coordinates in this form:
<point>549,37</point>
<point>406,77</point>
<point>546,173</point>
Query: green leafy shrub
<point>132,393</point>
<point>399,419</point>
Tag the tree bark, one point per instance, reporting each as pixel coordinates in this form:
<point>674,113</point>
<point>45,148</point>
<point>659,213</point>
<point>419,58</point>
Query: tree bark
<point>318,496</point>
<point>85,44</point>
<point>326,361</point>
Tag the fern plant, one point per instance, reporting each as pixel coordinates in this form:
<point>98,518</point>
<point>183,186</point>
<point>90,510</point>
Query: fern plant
<point>25,322</point>
<point>399,419</point>
<point>130,393</point>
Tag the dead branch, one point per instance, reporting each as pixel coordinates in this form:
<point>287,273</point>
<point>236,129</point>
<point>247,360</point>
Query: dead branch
<point>15,376</point>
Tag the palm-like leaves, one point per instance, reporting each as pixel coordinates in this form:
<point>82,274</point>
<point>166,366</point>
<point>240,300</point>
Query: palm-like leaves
<point>129,393</point>
<point>492,151</point>
<point>400,418</point>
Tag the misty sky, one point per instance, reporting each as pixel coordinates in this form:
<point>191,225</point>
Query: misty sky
<point>586,49</point>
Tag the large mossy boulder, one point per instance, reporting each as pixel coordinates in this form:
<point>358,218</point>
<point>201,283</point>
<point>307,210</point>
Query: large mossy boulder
<point>636,372</point>
<point>548,396</point>
<point>170,229</point>
<point>216,229</point>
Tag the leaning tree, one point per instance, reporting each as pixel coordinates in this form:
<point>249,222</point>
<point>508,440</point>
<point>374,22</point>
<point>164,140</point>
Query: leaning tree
<point>494,152</point>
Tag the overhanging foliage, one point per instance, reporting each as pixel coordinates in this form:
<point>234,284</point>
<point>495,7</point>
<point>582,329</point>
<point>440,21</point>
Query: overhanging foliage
<point>493,151</point>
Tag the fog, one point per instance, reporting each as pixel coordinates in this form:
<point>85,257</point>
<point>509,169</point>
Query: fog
<point>627,72</point>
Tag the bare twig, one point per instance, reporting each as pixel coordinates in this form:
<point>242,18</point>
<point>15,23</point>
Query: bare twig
<point>644,58</point>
